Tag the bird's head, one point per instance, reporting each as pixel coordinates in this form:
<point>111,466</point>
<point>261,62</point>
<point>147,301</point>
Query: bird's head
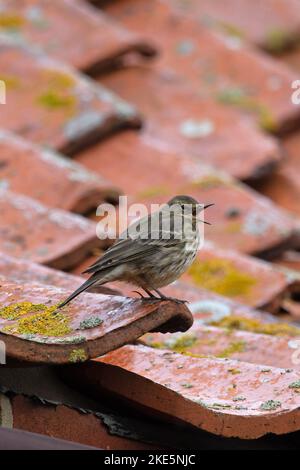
<point>189,205</point>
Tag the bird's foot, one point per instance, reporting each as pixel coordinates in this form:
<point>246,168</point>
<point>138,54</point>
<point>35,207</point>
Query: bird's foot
<point>148,298</point>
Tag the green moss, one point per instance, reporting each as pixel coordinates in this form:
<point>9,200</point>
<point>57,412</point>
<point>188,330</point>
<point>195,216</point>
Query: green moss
<point>222,277</point>
<point>238,322</point>
<point>295,385</point>
<point>237,346</point>
<point>78,355</point>
<point>91,322</point>
<point>270,405</point>
<point>238,97</point>
<point>11,21</point>
<point>277,40</point>
<point>44,323</point>
<point>53,100</point>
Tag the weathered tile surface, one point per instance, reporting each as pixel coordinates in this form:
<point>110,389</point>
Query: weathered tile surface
<point>32,231</point>
<point>179,118</point>
<point>248,280</point>
<point>283,187</point>
<point>199,391</point>
<point>55,24</point>
<point>49,177</point>
<point>34,331</point>
<point>272,24</point>
<point>260,349</point>
<point>152,173</point>
<point>230,71</point>
<point>51,104</point>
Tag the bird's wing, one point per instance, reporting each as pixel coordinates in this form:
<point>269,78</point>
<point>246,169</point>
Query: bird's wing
<point>136,247</point>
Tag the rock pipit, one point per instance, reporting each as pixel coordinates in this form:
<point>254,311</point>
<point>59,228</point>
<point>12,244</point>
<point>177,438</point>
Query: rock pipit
<point>153,252</point>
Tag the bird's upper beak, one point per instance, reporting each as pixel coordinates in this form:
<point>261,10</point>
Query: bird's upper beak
<point>202,209</point>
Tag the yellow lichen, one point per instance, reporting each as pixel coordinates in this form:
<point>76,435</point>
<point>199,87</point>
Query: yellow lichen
<point>153,191</point>
<point>11,21</point>
<point>222,277</point>
<point>277,40</point>
<point>78,355</point>
<point>237,322</point>
<point>11,82</point>
<point>238,97</point>
<point>59,80</point>
<point>209,181</point>
<point>236,346</point>
<point>18,310</point>
<point>48,322</point>
<point>53,100</point>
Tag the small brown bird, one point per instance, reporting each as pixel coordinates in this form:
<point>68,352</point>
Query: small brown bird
<point>153,252</point>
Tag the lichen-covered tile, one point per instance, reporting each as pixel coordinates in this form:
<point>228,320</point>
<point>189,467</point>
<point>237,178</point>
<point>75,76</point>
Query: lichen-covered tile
<point>241,218</point>
<point>283,187</point>
<point>261,349</point>
<point>272,24</point>
<point>54,25</point>
<point>34,330</point>
<point>32,231</point>
<point>51,104</point>
<point>230,71</point>
<point>248,280</point>
<point>178,117</point>
<point>204,392</point>
<point>50,178</point>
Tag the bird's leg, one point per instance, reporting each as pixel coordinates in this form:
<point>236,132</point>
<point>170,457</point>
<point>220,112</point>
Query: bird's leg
<point>150,295</point>
<point>164,297</point>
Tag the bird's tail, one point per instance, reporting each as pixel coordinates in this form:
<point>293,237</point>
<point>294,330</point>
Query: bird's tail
<point>78,291</point>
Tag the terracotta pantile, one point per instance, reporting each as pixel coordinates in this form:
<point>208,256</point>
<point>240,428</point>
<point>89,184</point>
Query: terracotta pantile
<point>14,439</point>
<point>150,173</point>
<point>248,280</point>
<point>16,270</point>
<point>272,24</point>
<point>230,71</point>
<point>63,422</point>
<point>51,104</point>
<point>34,232</point>
<point>283,186</point>
<point>33,331</point>
<point>199,391</point>
<point>54,25</point>
<point>179,118</point>
<point>53,180</point>
<point>289,259</point>
<point>260,349</point>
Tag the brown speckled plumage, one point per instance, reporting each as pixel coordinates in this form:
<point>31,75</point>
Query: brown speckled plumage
<point>150,261</point>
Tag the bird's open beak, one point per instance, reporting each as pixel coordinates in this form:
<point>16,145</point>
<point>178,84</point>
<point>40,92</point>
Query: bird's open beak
<point>205,207</point>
